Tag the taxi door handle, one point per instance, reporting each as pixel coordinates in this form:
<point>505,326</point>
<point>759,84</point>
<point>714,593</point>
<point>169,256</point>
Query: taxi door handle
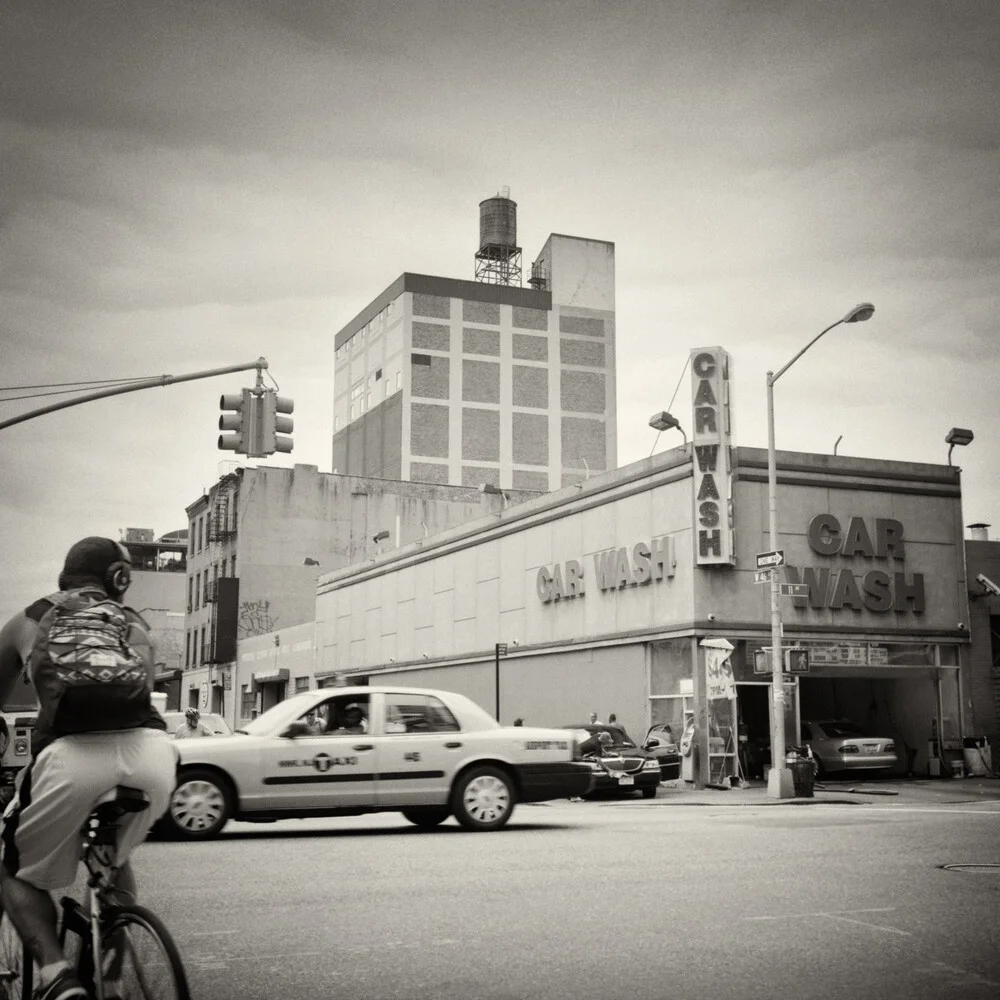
<point>365,746</point>
<point>452,746</point>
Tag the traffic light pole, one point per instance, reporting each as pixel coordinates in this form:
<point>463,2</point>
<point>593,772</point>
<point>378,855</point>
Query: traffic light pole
<point>152,383</point>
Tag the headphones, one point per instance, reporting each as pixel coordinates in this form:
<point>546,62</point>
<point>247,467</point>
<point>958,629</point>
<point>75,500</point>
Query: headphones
<point>118,575</point>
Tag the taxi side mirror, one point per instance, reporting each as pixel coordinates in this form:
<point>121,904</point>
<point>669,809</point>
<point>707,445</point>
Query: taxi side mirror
<point>294,729</point>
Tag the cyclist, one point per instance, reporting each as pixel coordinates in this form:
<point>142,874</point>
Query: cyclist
<point>192,726</point>
<point>78,755</point>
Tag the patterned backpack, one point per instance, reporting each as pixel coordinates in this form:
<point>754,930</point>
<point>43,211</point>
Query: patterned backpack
<point>87,674</point>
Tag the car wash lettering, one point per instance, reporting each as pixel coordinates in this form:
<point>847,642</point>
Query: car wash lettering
<point>839,587</point>
<point>614,569</point>
<point>711,440</point>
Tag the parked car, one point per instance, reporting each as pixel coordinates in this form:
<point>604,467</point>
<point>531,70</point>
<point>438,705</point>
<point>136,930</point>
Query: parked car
<point>347,751</point>
<point>216,723</point>
<point>840,745</point>
<point>618,765</point>
<point>660,743</point>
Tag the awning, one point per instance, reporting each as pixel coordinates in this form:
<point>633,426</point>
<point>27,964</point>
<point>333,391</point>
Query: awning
<point>271,676</point>
<point>168,675</point>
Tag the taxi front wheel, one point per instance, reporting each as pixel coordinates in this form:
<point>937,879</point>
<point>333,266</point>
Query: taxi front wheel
<point>483,798</point>
<point>200,805</point>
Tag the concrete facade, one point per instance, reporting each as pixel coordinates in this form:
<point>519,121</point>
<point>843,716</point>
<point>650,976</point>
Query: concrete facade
<point>982,690</point>
<point>274,530</point>
<point>600,599</point>
<point>460,382</point>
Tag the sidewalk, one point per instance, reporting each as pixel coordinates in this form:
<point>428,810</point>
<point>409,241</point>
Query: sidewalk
<point>927,791</point>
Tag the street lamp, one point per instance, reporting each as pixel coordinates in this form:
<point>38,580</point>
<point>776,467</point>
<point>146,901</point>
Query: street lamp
<point>779,780</point>
<point>664,421</point>
<point>959,436</point>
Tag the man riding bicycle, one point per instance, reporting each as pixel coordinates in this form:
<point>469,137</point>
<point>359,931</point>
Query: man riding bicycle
<point>91,662</point>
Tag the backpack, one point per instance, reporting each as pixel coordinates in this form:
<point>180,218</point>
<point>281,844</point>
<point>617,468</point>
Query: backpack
<point>87,674</point>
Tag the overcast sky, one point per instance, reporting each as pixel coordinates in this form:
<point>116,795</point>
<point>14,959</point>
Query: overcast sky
<point>189,185</point>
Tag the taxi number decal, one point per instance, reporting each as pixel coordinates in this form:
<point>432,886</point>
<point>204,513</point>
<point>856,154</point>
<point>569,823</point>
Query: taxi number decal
<point>411,756</point>
<point>546,745</point>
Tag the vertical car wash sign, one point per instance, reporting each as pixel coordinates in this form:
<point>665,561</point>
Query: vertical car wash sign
<point>711,440</point>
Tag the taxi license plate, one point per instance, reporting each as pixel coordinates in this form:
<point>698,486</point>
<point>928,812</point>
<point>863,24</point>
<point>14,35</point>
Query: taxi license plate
<point>626,779</point>
<point>870,747</point>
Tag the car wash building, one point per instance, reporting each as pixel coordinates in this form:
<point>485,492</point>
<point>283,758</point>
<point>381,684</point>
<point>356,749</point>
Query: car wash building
<point>598,597</point>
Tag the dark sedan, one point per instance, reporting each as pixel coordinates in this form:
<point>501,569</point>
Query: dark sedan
<point>660,743</point>
<point>618,764</point>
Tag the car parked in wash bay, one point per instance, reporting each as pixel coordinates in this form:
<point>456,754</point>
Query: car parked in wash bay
<point>842,745</point>
<point>347,751</point>
<point>618,764</point>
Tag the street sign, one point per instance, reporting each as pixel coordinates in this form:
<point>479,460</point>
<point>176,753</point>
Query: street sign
<point>794,589</point>
<point>775,558</point>
<point>501,649</point>
<point>761,576</point>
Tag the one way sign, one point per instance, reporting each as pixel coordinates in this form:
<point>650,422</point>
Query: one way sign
<point>766,559</point>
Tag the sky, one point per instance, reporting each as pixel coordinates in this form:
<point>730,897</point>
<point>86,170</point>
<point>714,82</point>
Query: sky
<point>192,185</point>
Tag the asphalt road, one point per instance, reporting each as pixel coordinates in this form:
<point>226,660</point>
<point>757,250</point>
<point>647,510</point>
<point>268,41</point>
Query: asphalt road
<point>644,900</point>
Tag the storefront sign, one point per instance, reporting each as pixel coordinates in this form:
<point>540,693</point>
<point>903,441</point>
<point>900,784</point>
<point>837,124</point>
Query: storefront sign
<point>838,587</point>
<point>711,439</point>
<point>614,569</point>
<point>720,682</point>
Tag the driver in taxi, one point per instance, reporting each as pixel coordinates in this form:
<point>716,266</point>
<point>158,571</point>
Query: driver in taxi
<point>352,721</point>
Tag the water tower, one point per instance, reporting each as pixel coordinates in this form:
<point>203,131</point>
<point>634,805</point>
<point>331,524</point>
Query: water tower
<point>498,259</point>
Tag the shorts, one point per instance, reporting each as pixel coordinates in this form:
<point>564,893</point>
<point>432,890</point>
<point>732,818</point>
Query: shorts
<point>40,838</point>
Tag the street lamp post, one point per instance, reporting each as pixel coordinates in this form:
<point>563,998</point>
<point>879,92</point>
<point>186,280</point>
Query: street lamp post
<point>779,781</point>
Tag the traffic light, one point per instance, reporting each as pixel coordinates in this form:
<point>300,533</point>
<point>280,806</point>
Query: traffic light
<point>243,423</point>
<point>275,424</point>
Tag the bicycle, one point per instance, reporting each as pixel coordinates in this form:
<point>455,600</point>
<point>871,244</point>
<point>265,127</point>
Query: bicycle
<point>127,944</point>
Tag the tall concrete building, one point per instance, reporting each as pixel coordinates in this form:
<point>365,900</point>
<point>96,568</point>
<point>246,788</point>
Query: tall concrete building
<point>464,382</point>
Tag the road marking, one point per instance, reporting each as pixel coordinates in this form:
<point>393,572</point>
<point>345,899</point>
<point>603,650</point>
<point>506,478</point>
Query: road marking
<point>839,915</point>
<point>195,934</point>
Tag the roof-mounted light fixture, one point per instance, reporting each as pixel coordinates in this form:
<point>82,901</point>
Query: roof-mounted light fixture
<point>957,435</point>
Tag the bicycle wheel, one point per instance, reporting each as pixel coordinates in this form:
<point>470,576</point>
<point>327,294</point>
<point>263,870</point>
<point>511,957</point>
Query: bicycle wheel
<point>15,978</point>
<point>151,967</point>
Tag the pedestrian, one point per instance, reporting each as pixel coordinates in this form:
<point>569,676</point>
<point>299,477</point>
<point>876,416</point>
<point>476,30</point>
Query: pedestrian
<point>594,720</point>
<point>613,720</point>
<point>91,663</point>
<point>519,721</point>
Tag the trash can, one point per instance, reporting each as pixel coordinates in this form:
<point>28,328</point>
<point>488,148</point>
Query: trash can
<point>802,778</point>
<point>976,752</point>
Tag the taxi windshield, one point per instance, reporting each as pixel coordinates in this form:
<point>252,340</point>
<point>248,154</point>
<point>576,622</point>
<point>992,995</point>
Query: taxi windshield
<point>290,708</point>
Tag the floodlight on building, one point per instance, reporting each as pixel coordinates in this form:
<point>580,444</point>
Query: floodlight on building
<point>957,435</point>
<point>664,421</point>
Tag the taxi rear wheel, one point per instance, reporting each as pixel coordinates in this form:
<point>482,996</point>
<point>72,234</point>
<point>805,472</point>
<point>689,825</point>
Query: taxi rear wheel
<point>483,798</point>
<point>427,816</point>
<point>200,805</point>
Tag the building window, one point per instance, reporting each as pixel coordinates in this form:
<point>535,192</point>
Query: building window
<point>191,538</point>
<point>995,642</point>
<point>190,594</point>
<point>201,647</point>
<point>232,564</point>
<point>199,533</point>
<point>197,591</point>
<point>301,684</point>
<point>187,647</point>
